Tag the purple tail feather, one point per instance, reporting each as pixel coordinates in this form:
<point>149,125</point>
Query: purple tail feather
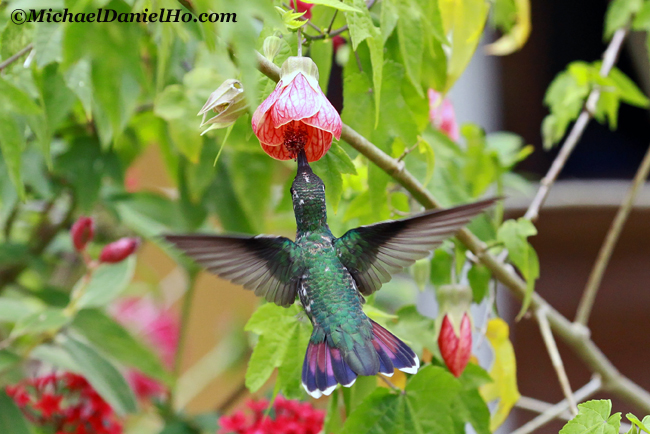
<point>325,366</point>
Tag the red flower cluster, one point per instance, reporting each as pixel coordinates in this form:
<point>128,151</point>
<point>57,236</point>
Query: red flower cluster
<point>65,403</point>
<point>287,417</point>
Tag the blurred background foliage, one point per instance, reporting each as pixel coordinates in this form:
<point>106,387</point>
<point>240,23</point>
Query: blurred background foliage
<point>89,112</point>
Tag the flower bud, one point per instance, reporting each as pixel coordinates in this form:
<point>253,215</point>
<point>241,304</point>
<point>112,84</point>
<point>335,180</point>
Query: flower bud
<point>271,47</point>
<point>119,250</point>
<point>455,337</point>
<point>228,102</point>
<point>455,348</point>
<point>82,232</point>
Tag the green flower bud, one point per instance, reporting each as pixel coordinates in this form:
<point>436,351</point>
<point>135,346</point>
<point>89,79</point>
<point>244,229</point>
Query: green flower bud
<point>272,46</point>
<point>227,102</point>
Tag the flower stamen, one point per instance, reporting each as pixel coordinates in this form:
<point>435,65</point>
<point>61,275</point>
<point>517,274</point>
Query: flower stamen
<point>295,138</point>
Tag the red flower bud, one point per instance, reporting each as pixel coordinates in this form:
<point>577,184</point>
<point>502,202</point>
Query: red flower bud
<point>119,250</point>
<point>82,232</point>
<point>455,349</point>
<point>302,7</point>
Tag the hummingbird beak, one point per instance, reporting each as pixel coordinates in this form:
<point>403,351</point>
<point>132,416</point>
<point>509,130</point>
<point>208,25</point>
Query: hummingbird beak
<point>303,164</point>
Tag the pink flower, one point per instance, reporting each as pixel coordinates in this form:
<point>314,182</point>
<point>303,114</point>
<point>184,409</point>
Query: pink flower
<point>297,114</point>
<point>119,250</point>
<point>157,327</point>
<point>302,7</point>
<point>82,231</point>
<point>442,116</point>
<point>455,349</point>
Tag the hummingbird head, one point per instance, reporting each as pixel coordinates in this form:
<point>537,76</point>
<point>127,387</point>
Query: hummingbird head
<point>308,195</point>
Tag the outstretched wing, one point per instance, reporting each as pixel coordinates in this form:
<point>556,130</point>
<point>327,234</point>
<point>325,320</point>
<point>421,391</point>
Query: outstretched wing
<point>266,265</point>
<point>373,253</point>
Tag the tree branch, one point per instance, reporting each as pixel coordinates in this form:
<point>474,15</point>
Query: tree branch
<point>605,253</point>
<point>16,56</point>
<point>609,59</point>
<point>576,336</point>
<point>555,411</point>
<point>556,359</point>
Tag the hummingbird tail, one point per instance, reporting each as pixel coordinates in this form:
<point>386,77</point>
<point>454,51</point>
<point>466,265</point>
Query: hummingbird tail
<point>326,366</point>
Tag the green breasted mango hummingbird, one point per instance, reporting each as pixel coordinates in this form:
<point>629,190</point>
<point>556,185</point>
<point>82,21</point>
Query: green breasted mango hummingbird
<point>330,276</point>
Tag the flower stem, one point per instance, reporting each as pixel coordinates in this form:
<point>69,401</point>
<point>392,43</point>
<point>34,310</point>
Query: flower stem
<point>605,253</point>
<point>299,36</point>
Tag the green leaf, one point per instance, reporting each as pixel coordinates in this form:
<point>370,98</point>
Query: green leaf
<point>479,279</point>
<point>361,29</point>
<point>411,40</point>
<point>47,43</point>
<point>8,359</point>
<point>281,344</point>
<point>417,330</point>
<point>441,264</point>
<point>16,100</point>
<point>12,144</point>
<point>414,410</point>
<point>49,320</point>
<point>102,375</point>
<point>642,18</point>
<point>115,340</point>
<point>513,234</point>
<point>13,310</point>
<point>335,4</point>
<point>619,14</point>
<point>107,282</point>
<point>56,356</point>
<point>635,421</point>
<point>594,417</point>
<point>77,78</point>
<point>11,418</point>
<point>629,91</point>
<point>333,420</point>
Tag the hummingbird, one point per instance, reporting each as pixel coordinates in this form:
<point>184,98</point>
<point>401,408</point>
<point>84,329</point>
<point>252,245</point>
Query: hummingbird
<point>330,276</point>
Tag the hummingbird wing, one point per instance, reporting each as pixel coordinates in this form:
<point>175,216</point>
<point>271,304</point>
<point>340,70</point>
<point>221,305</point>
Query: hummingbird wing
<point>264,264</point>
<point>375,252</point>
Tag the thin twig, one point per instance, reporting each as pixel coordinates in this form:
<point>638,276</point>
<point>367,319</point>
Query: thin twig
<point>234,396</point>
<point>609,59</point>
<point>574,335</point>
<point>389,383</point>
<point>605,253</point>
<point>16,56</point>
<point>329,28</point>
<point>556,410</point>
<point>556,359</point>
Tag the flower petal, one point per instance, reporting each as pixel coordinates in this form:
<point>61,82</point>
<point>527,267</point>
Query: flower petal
<point>298,101</point>
<point>267,133</point>
<point>318,143</point>
<point>279,152</point>
<point>327,118</point>
<point>266,105</point>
